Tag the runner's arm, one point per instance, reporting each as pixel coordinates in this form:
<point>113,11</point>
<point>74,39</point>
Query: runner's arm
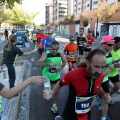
<point>63,60</point>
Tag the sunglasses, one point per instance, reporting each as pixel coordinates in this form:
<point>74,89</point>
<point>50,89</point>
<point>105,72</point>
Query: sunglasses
<point>72,40</point>
<point>110,45</point>
<point>49,33</point>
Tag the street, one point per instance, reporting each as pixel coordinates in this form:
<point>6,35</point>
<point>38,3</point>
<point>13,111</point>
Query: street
<point>39,108</point>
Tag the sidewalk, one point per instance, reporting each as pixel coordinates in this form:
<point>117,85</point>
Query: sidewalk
<point>11,107</point>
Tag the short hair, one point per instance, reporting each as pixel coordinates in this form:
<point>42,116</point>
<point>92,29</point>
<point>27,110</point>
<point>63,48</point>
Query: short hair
<point>54,43</point>
<point>94,52</point>
<point>71,37</point>
<point>117,39</point>
<point>82,29</point>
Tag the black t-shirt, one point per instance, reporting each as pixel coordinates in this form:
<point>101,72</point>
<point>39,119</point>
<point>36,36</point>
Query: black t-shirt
<point>9,55</point>
<point>1,86</point>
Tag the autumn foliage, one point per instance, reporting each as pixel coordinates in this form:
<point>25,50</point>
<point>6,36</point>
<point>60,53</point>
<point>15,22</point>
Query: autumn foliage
<point>104,13</point>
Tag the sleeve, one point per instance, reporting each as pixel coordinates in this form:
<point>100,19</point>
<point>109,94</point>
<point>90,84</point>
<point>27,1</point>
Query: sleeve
<point>66,80</point>
<point>65,49</point>
<point>1,86</point>
<point>18,51</point>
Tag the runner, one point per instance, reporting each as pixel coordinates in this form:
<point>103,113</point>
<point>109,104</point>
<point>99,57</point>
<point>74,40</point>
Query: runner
<point>10,54</point>
<point>81,42</point>
<point>51,63</point>
<point>90,41</point>
<point>33,38</point>
<point>40,36</point>
<point>84,83</point>
<point>71,50</point>
<point>113,74</point>
<point>107,43</point>
<point>47,42</point>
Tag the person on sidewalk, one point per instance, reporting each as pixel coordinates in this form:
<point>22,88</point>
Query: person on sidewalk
<point>51,62</point>
<point>10,54</point>
<point>85,83</point>
<point>81,42</point>
<point>9,93</point>
<point>106,43</point>
<point>46,42</point>
<point>40,36</point>
<point>6,33</point>
<point>113,74</point>
<point>71,50</point>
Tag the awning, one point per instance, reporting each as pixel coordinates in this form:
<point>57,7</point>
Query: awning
<point>115,23</point>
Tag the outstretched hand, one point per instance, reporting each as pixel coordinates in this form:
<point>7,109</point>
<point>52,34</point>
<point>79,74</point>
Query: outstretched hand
<point>37,79</point>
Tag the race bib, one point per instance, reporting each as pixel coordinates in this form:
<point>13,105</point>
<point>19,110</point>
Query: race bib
<point>83,104</point>
<point>71,55</point>
<point>89,46</point>
<point>81,43</point>
<point>52,70</point>
<point>47,48</point>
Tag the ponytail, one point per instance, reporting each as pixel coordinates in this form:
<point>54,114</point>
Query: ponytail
<point>12,39</point>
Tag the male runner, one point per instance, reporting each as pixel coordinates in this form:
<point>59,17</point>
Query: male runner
<point>113,74</point>
<point>85,82</point>
<point>107,43</point>
<point>51,62</point>
<point>70,51</point>
<point>81,42</point>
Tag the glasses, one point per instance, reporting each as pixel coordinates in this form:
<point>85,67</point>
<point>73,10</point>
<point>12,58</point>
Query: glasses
<point>72,40</point>
<point>110,45</point>
<point>49,33</point>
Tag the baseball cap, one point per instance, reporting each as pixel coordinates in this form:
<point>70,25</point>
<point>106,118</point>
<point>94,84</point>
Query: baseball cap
<point>107,39</point>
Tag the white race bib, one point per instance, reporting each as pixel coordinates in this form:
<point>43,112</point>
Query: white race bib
<point>71,55</point>
<point>81,43</point>
<point>84,104</point>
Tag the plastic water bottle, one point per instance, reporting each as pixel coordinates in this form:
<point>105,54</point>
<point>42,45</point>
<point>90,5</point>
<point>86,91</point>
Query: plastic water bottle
<point>47,87</point>
<point>5,72</point>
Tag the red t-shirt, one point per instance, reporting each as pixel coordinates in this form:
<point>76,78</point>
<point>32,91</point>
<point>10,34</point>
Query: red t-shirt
<point>39,37</point>
<point>90,39</point>
<point>80,84</point>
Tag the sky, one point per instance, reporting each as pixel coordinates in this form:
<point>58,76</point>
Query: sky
<point>35,6</point>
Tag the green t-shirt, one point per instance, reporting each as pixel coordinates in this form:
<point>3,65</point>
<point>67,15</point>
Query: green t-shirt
<point>50,71</point>
<point>108,62</point>
<point>115,56</point>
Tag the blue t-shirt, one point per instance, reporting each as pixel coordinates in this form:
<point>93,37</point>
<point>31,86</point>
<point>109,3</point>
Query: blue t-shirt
<point>46,43</point>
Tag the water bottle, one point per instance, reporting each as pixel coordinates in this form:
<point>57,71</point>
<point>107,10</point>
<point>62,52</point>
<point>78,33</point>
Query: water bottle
<point>47,87</point>
<point>5,72</point>
<point>57,118</point>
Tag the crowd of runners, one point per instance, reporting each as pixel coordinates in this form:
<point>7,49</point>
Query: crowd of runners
<point>88,76</point>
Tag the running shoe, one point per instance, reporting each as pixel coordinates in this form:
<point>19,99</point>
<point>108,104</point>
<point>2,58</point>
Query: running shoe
<point>57,118</point>
<point>54,109</point>
<point>111,103</point>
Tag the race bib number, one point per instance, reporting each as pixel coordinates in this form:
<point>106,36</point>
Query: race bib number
<point>52,70</point>
<point>83,104</point>
<point>81,43</point>
<point>72,55</point>
<point>47,48</point>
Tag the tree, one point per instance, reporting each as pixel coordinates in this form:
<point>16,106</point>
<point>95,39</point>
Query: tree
<point>18,17</point>
<point>85,23</point>
<point>9,3</point>
<point>71,20</point>
<point>3,16</point>
<point>66,20</point>
<point>106,12</point>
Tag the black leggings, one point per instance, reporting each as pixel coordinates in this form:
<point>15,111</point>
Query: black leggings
<point>11,74</point>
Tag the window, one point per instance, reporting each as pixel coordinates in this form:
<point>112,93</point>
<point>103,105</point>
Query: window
<point>79,3</point>
<point>95,2</point>
<point>87,5</point>
<point>78,8</point>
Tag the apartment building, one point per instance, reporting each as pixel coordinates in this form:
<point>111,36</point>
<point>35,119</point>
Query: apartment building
<point>48,13</point>
<point>60,10</point>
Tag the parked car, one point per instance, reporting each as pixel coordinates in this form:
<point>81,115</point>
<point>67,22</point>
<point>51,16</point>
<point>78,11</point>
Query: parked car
<point>2,32</point>
<point>20,38</point>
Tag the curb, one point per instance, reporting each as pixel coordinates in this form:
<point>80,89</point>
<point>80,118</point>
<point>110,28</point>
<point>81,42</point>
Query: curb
<point>15,102</point>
